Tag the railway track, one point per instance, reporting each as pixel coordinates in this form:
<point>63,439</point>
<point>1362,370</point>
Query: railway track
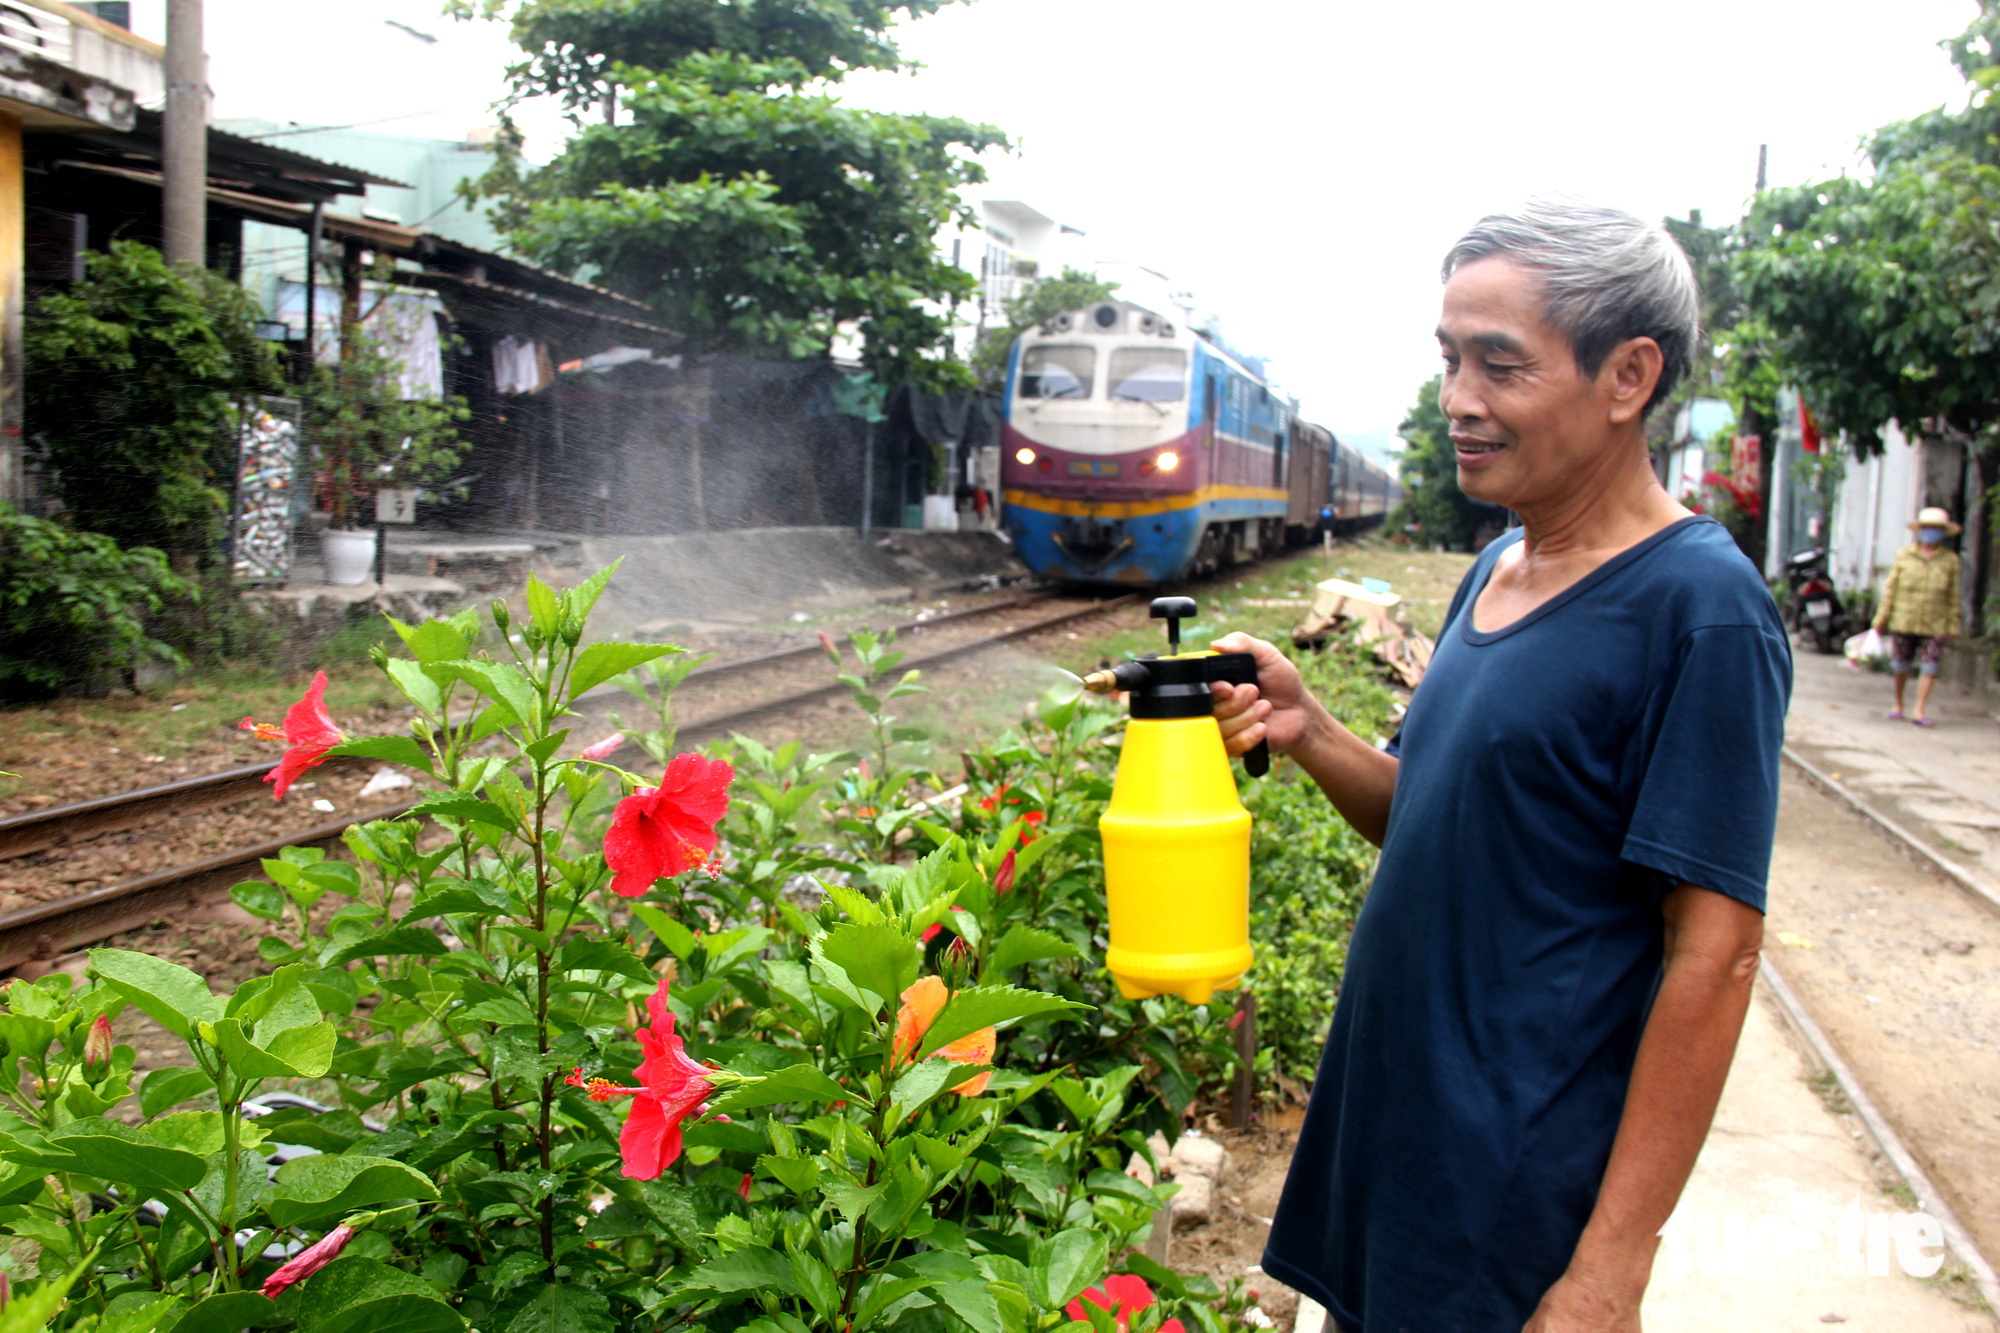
<point>46,930</point>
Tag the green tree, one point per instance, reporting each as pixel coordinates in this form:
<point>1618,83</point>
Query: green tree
<point>133,377</point>
<point>1881,299</point>
<point>1073,289</point>
<point>367,434</point>
<point>751,211</point>
<point>1446,517</point>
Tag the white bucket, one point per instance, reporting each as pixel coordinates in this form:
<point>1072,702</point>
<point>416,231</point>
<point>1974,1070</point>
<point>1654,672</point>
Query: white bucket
<point>940,513</point>
<point>348,554</point>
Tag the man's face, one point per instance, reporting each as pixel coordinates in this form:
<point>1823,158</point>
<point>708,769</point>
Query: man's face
<point>1526,423</point>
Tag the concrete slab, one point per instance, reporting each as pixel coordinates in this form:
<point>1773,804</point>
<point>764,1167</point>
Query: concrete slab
<point>704,579</point>
<point>1777,1149</point>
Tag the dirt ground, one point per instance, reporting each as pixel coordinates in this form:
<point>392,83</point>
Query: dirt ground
<point>1902,970</point>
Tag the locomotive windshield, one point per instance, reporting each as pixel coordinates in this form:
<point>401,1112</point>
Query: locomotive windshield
<point>1149,374</point>
<point>1059,371</point>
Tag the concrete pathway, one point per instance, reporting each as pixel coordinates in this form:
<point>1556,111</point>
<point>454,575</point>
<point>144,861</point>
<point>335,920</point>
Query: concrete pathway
<point>1776,1148</point>
<point>1942,783</point>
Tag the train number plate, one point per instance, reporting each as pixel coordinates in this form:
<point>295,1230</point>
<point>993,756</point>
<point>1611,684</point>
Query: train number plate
<point>1086,468</point>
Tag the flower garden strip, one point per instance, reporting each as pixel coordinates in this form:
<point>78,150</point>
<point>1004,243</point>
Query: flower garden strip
<point>757,1042</point>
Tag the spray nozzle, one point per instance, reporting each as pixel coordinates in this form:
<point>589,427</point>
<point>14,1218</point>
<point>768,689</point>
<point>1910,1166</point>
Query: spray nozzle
<point>1174,686</point>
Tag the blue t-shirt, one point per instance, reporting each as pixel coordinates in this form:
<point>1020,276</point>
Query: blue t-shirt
<point>1557,778</point>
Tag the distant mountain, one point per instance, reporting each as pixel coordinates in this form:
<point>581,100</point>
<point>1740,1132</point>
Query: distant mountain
<point>1384,446</point>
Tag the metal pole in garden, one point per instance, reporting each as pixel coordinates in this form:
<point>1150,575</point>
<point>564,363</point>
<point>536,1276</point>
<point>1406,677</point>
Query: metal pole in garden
<point>1243,1092</point>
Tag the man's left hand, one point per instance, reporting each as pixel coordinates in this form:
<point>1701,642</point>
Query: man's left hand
<point>1574,1305</point>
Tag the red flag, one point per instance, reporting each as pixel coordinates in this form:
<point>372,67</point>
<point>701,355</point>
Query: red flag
<point>1808,428</point>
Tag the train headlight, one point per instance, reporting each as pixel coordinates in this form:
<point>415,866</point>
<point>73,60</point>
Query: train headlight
<point>1169,460</point>
<point>1024,456</point>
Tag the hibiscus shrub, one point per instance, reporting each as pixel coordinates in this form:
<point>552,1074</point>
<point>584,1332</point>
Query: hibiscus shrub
<point>555,1063</point>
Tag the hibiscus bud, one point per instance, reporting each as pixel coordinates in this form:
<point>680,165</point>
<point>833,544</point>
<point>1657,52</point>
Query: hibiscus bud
<point>960,950</point>
<point>534,637</point>
<point>603,749</point>
<point>6,1290</point>
<point>744,1188</point>
<point>1003,878</point>
<point>572,631</point>
<point>379,656</point>
<point>309,1261</point>
<point>500,615</point>
<point>97,1045</point>
<point>826,642</point>
<point>1235,1021</point>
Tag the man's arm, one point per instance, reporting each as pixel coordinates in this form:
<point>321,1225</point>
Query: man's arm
<point>1684,1056</point>
<point>1358,778</point>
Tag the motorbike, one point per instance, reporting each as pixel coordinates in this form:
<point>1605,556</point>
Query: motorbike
<point>1815,607</point>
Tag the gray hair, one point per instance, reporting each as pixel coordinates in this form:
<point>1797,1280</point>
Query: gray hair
<point>1606,276</point>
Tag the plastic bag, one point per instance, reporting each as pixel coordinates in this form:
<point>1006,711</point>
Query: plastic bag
<point>1864,649</point>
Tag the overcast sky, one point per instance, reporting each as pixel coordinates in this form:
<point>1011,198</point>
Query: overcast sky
<point>1300,165</point>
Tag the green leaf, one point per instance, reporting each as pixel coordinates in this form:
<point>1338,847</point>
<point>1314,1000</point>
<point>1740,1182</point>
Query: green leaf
<point>879,957</point>
<point>166,1088</point>
<point>984,1006</point>
<point>300,1052</point>
<point>800,1175</point>
<point>1026,944</point>
<point>315,1189</point>
<point>1164,1281</point>
<point>1060,1267</point>
<point>465,809</point>
<point>799,1083</point>
<point>357,1295</point>
<point>395,942</point>
<point>228,1312</point>
<point>402,750</point>
<point>753,1269</point>
<point>543,604</point>
<point>583,954</point>
<point>111,1151</point>
<point>564,1307</point>
<point>678,938</point>
<point>601,661</point>
<point>259,899</point>
<point>816,1283</point>
<point>919,1085</point>
<point>498,681</point>
<point>169,994</point>
<point>417,687</point>
<point>585,594</point>
<point>433,641</point>
<point>971,1300</point>
<point>35,1311</point>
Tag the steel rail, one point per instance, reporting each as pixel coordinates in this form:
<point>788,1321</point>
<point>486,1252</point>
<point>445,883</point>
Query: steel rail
<point>47,930</point>
<point>44,830</point>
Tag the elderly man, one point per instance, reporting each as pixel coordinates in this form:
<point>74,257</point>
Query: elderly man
<point>1547,981</point>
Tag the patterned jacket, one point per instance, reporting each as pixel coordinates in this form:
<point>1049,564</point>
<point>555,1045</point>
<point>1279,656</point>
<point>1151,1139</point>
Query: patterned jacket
<point>1921,596</point>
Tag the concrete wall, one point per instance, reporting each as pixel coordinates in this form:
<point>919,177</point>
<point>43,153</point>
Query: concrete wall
<point>1872,513</point>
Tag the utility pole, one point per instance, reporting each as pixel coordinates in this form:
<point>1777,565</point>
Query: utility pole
<point>1763,163</point>
<point>184,155</point>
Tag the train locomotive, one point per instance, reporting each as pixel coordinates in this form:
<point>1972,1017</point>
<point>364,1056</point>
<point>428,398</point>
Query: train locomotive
<point>1136,451</point>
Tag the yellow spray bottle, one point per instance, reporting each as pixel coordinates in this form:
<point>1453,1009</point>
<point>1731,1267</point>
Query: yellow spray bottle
<point>1176,838</point>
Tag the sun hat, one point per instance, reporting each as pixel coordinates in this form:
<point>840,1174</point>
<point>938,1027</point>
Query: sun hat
<point>1934,517</point>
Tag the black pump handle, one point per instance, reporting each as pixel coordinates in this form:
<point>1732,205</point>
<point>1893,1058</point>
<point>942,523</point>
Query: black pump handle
<point>1241,669</point>
<point>1173,610</point>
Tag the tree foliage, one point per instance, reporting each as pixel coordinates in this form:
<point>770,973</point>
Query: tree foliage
<point>574,46</point>
<point>1073,289</point>
<point>750,211</point>
<point>1446,517</point>
<point>74,608</point>
<point>366,433</point>
<point>132,385</point>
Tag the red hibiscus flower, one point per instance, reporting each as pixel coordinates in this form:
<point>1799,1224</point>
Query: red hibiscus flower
<point>308,729</point>
<point>922,1003</point>
<point>671,1088</point>
<point>309,1261</point>
<point>1122,1296</point>
<point>658,832</point>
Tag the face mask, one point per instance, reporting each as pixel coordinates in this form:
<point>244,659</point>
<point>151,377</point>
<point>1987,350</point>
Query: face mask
<point>1930,536</point>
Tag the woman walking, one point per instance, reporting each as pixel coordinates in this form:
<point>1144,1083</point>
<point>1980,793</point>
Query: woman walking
<point>1919,608</point>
